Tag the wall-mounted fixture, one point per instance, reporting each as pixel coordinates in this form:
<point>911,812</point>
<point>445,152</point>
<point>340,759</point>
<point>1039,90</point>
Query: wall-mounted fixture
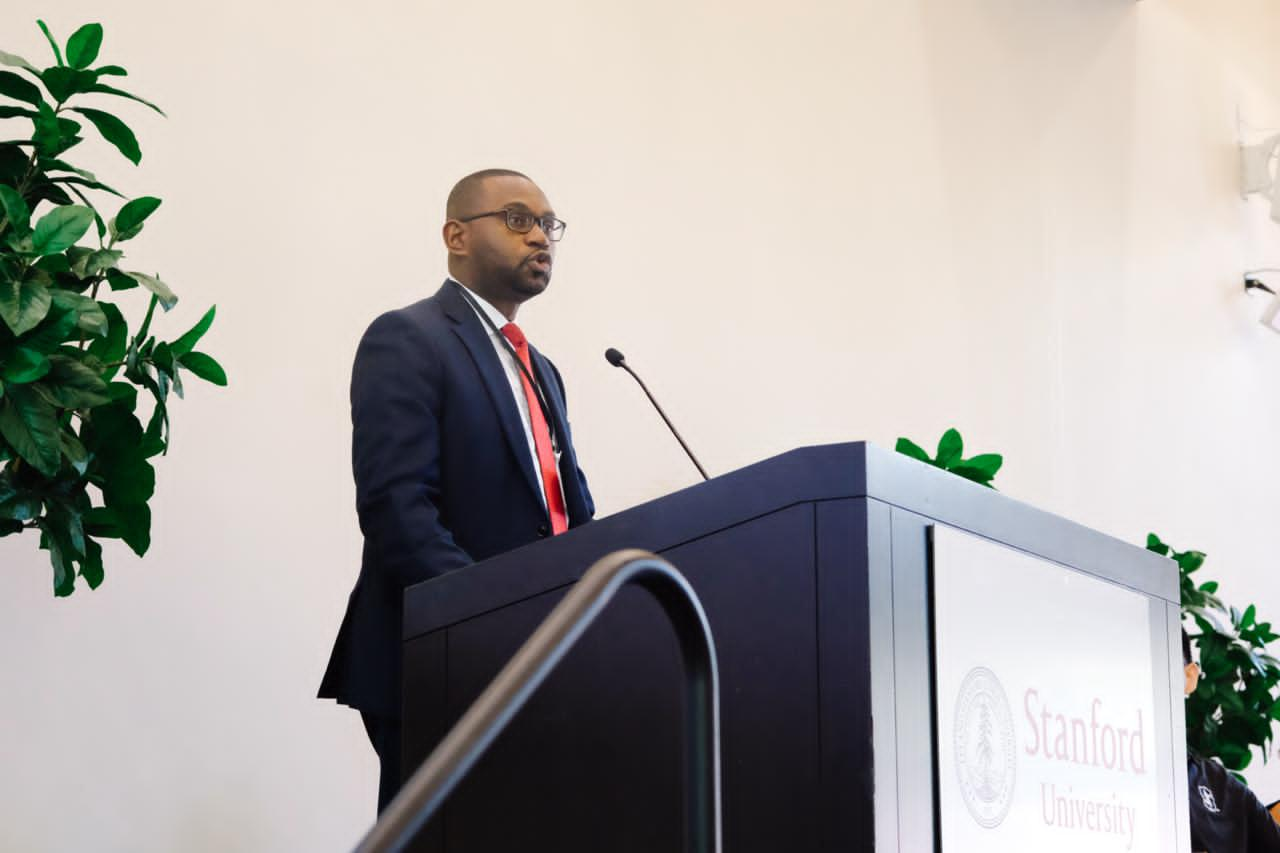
<point>1258,165</point>
<point>1271,315</point>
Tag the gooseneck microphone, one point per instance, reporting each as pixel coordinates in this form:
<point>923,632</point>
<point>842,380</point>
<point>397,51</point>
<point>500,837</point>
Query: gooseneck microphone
<point>618,360</point>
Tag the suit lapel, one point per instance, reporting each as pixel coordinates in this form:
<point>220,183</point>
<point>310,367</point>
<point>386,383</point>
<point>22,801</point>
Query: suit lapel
<point>475,336</point>
<point>547,381</point>
<point>568,462</point>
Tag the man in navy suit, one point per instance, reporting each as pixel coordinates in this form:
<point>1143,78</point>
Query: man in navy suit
<point>460,447</point>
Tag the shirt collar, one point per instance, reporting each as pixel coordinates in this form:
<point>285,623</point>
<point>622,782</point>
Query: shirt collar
<point>495,316</point>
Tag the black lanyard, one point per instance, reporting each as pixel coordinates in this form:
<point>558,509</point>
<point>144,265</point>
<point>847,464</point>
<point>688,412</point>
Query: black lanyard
<point>528,375</point>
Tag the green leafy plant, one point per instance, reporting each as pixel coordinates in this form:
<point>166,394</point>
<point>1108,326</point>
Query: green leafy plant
<point>74,452</point>
<point>980,469</point>
<point>1235,704</point>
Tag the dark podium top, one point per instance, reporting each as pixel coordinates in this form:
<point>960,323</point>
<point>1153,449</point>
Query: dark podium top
<point>813,569</point>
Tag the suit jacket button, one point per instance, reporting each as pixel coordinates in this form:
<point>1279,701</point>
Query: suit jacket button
<point>543,530</point>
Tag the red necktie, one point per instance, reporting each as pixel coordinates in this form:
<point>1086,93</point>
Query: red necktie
<point>541,434</point>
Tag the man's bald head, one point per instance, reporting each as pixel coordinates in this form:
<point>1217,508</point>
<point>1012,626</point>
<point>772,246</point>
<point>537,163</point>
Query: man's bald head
<point>467,193</point>
<point>503,265</point>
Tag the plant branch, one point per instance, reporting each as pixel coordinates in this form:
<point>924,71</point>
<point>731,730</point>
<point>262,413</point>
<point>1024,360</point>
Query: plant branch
<point>30,173</point>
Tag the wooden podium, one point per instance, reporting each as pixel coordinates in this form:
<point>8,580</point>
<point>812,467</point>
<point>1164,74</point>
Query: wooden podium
<point>813,568</point>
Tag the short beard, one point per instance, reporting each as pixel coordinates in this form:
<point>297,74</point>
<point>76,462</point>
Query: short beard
<point>500,283</point>
<point>524,281</point>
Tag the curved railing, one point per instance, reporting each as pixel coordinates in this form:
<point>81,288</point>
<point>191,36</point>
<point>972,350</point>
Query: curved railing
<point>432,783</point>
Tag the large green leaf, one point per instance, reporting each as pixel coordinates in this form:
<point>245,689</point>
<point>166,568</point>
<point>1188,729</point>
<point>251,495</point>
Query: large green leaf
<point>969,472</point>
<point>56,329</point>
<point>58,266</point>
<point>131,216</point>
<point>204,367</point>
<point>47,131</point>
<point>15,61</point>
<point>15,209</point>
<point>20,508</point>
<point>66,524</point>
<point>67,262</point>
<point>18,88</point>
<point>162,355</point>
<point>987,463</point>
<point>161,290</point>
<point>123,394</point>
<point>135,527</point>
<point>130,484</point>
<point>83,46</point>
<point>89,314</point>
<point>72,384</point>
<point>84,182</point>
<point>17,504</point>
<point>61,228</point>
<point>63,83</point>
<point>907,447</point>
<point>23,304</point>
<point>54,133</point>
<point>7,111</point>
<point>154,441</point>
<point>114,131</point>
<point>23,365</point>
<point>1189,561</point>
<point>13,163</point>
<point>130,523</point>
<point>95,262</point>
<point>119,281</point>
<point>110,349</point>
<point>53,42</point>
<point>30,426</point>
<point>158,427</point>
<point>76,455</point>
<point>97,219</point>
<point>950,448</point>
<point>113,432</point>
<point>64,576</point>
<point>187,342</point>
<point>43,190</point>
<point>120,93</point>
<point>53,164</point>
<point>91,569</point>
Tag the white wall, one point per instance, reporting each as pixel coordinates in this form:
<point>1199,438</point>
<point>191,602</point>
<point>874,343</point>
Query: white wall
<point>875,219</point>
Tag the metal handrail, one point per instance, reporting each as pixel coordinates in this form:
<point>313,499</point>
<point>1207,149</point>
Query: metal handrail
<point>432,783</point>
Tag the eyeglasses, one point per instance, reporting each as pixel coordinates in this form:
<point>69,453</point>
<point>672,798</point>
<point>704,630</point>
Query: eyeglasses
<point>522,222</point>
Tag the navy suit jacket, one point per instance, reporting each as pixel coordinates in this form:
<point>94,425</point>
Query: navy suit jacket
<point>443,474</point>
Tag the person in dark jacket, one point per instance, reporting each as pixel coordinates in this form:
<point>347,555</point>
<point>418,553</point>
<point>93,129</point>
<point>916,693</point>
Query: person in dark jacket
<point>461,446</point>
<point>1226,817</point>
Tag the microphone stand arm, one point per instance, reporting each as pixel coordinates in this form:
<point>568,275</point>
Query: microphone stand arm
<point>670,425</point>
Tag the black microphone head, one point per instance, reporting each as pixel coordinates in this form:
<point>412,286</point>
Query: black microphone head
<point>614,357</point>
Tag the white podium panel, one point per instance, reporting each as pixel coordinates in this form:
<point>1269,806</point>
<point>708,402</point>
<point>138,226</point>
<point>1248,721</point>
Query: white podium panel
<point>1045,724</point>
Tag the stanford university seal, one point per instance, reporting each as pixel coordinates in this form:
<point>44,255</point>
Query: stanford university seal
<point>985,749</point>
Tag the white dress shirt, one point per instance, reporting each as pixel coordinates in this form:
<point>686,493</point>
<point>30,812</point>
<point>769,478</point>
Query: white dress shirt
<point>514,376</point>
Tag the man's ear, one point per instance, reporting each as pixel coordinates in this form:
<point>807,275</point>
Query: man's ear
<point>455,238</point>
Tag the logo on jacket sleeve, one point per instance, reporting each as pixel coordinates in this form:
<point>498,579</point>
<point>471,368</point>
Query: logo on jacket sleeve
<point>1210,804</point>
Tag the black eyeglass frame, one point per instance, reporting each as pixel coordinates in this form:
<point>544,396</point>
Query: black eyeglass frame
<point>555,233</point>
